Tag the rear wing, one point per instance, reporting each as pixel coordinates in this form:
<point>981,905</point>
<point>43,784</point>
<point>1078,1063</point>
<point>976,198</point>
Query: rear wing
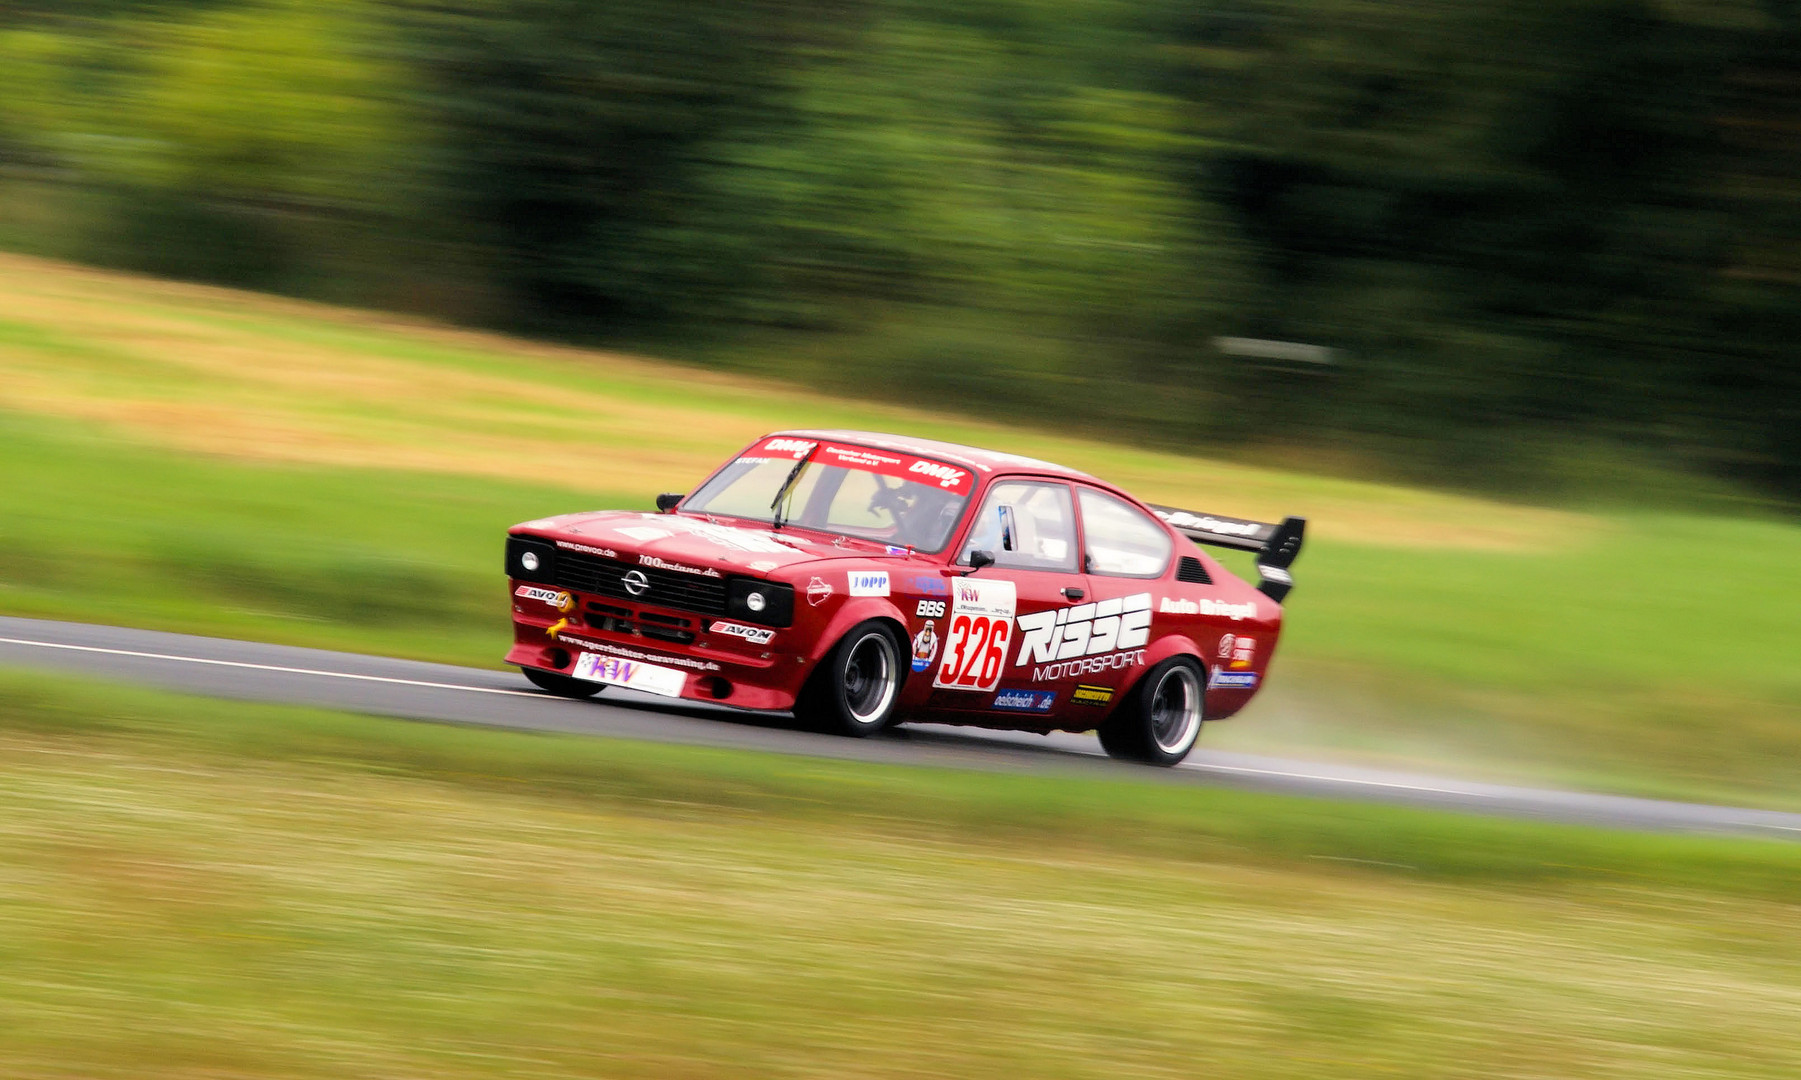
<point>1276,546</point>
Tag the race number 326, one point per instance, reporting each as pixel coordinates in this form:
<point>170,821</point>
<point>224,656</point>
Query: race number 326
<point>975,651</point>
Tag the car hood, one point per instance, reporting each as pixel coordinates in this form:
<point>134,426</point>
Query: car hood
<point>695,540</point>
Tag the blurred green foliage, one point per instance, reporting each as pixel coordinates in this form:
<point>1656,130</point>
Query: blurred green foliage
<point>1515,224</point>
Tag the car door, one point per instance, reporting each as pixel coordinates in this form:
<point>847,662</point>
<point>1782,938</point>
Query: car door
<point>1126,555</point>
<point>1027,527</point>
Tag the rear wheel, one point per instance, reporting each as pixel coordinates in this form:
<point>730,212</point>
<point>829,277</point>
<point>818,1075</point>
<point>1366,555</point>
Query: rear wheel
<point>1159,723</point>
<point>854,689</point>
<point>561,685</point>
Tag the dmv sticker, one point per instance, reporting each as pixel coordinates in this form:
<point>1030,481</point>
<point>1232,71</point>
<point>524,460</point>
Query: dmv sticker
<point>636,674</point>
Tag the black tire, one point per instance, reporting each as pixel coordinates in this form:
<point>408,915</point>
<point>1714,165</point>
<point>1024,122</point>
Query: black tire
<point>562,685</point>
<point>854,689</point>
<point>1160,720</point>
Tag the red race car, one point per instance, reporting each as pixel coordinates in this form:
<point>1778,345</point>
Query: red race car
<point>860,579</point>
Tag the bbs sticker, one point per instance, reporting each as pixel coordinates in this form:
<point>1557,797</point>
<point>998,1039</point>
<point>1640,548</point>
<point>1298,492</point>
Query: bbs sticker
<point>929,609</point>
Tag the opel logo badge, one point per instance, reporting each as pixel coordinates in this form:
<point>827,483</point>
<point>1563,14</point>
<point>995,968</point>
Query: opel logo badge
<point>635,582</point>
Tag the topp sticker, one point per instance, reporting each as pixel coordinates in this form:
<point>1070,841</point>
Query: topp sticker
<point>868,582</point>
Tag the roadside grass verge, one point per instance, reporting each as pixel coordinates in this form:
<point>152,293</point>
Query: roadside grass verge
<point>200,887</point>
<point>211,461</point>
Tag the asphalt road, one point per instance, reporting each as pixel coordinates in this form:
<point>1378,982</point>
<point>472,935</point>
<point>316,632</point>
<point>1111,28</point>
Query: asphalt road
<point>254,671</point>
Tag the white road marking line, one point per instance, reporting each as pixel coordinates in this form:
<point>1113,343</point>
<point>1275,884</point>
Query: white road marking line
<point>1338,779</point>
<point>531,694</point>
<point>269,667</point>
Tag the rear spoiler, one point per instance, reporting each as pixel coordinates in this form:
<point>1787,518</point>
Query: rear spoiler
<point>1276,546</point>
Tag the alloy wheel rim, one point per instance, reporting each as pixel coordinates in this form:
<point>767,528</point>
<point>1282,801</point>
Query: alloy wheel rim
<point>869,678</point>
<point>1176,710</point>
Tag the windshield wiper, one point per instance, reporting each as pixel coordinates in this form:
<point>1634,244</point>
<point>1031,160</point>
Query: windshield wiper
<point>782,493</point>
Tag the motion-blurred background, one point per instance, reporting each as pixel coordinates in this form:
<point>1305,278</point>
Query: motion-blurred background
<point>302,304</point>
<point>1543,243</point>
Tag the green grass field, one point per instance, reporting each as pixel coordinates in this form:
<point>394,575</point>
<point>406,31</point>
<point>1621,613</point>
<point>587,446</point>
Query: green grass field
<point>203,460</point>
<point>196,888</point>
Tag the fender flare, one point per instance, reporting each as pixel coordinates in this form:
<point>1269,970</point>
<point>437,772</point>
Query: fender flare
<point>857,610</point>
<point>1164,648</point>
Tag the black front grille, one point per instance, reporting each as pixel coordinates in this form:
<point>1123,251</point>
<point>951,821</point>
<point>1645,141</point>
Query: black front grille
<point>649,624</point>
<point>1191,570</point>
<point>668,588</point>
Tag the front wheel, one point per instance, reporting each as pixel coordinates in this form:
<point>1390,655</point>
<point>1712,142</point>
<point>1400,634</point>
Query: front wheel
<point>1159,723</point>
<point>854,689</point>
<point>561,685</point>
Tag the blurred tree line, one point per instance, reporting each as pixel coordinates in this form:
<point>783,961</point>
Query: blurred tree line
<point>1519,227</point>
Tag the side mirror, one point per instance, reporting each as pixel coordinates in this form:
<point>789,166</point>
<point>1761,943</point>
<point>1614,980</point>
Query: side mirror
<point>1007,531</point>
<point>667,501</point>
<point>979,559</point>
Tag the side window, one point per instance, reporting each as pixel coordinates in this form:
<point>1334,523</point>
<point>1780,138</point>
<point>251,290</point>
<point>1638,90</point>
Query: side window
<point>1044,530</point>
<point>1123,541</point>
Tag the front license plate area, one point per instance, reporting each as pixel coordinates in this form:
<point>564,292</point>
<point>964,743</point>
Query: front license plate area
<point>635,674</point>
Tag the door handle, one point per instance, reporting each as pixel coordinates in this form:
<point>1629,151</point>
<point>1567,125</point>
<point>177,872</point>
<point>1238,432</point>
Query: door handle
<point>1070,592</point>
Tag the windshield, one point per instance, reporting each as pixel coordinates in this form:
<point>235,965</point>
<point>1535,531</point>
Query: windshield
<point>880,495</point>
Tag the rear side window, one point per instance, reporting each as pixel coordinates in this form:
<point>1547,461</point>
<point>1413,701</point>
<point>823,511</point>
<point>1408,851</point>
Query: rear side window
<point>1122,540</point>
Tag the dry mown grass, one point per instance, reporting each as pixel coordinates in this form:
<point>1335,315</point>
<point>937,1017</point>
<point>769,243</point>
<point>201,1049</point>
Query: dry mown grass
<point>215,916</point>
<point>222,372</point>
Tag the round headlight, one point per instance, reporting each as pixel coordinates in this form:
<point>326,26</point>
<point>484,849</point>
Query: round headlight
<point>529,560</point>
<point>756,601</point>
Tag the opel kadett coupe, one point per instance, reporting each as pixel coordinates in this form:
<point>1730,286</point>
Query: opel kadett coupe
<point>861,579</point>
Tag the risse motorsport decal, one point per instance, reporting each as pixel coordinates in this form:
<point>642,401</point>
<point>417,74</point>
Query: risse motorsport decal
<point>925,646</point>
<point>756,635</point>
<point>1123,622</point>
<point>975,647</point>
<point>1086,639</point>
<point>1025,700</point>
